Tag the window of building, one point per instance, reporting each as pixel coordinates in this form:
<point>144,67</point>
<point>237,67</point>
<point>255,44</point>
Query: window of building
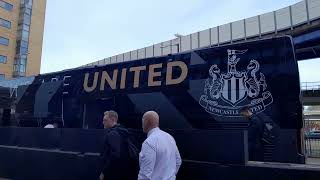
<point>24,19</point>
<point>15,67</point>
<point>22,68</point>
<point>23,27</point>
<point>26,3</point>
<point>23,56</point>
<point>5,23</point>
<point>25,11</point>
<point>2,76</point>
<point>22,43</point>
<point>27,19</point>
<point>6,6</point>
<point>23,61</point>
<point>4,41</point>
<point>20,28</point>
<point>28,11</point>
<point>21,50</point>
<point>23,36</point>
<point>3,59</point>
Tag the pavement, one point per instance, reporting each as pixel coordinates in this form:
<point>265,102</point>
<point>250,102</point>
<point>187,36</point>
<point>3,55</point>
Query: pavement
<point>313,161</point>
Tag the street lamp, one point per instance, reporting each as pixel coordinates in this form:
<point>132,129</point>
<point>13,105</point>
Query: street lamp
<point>178,36</point>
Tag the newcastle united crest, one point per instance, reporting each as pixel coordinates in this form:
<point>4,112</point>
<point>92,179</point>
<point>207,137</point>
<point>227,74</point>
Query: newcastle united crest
<point>226,92</point>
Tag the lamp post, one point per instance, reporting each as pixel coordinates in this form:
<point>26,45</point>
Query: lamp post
<point>178,36</point>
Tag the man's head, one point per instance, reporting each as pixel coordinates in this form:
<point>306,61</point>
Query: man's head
<point>150,120</point>
<point>110,119</point>
<point>246,112</point>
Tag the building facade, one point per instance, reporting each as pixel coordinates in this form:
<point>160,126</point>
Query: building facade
<point>21,36</point>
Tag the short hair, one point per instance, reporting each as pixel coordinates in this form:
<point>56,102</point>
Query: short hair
<point>153,116</point>
<point>245,109</point>
<point>111,114</point>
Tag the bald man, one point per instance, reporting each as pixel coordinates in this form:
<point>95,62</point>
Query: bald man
<point>159,158</point>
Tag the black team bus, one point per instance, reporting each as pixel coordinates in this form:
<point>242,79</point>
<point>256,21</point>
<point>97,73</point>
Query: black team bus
<point>195,91</point>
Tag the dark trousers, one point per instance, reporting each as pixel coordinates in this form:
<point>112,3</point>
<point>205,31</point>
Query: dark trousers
<point>121,171</point>
<point>256,153</point>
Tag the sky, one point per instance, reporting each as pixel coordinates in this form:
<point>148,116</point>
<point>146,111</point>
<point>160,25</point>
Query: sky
<point>78,32</point>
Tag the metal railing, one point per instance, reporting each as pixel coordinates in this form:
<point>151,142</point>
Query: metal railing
<point>312,147</point>
<point>310,86</point>
<point>312,137</point>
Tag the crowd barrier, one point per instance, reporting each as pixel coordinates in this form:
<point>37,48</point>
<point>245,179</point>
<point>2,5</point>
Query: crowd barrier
<point>37,153</point>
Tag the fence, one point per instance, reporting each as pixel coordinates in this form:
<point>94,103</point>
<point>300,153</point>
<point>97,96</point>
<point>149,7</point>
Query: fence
<point>312,147</point>
<point>312,137</point>
<point>310,86</point>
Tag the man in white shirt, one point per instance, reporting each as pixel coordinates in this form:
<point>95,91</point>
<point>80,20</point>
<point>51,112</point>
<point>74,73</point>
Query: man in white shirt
<point>159,158</point>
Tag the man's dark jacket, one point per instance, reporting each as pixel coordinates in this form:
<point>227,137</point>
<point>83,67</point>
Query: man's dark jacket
<point>115,154</point>
<point>255,131</point>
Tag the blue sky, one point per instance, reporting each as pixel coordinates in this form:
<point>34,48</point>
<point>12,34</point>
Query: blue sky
<point>78,32</point>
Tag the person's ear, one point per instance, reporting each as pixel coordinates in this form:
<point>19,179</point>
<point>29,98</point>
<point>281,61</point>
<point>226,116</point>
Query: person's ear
<point>148,124</point>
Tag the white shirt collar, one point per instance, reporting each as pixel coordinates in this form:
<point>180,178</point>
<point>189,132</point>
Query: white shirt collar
<point>152,130</point>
